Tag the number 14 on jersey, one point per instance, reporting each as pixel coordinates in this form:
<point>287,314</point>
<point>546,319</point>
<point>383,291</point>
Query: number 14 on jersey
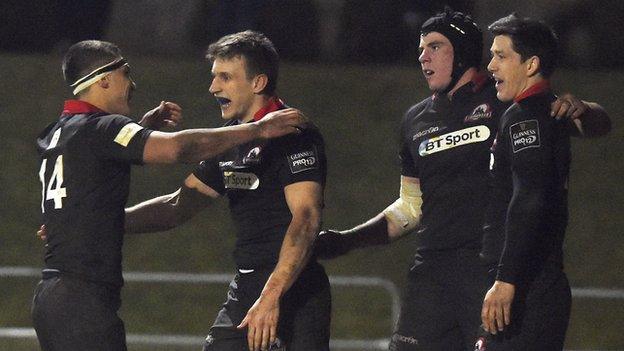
<point>54,189</point>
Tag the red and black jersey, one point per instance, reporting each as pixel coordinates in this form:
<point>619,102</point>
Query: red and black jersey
<point>253,177</point>
<point>85,175</point>
<point>528,211</point>
<point>446,144</point>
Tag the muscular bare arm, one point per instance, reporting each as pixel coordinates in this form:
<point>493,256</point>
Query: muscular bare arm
<point>305,201</point>
<point>194,145</point>
<point>171,210</point>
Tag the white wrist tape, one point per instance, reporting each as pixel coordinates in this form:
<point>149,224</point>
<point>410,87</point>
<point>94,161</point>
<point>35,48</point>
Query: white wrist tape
<point>405,212</point>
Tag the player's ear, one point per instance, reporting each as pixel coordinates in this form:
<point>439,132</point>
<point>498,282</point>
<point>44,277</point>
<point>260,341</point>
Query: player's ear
<point>104,82</point>
<point>260,82</point>
<point>532,66</point>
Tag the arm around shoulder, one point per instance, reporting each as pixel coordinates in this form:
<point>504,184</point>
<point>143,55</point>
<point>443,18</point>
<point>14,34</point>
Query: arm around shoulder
<point>595,121</point>
<point>194,145</point>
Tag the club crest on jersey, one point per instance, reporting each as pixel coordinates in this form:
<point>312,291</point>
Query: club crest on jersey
<point>303,161</point>
<point>482,111</point>
<point>454,139</point>
<point>240,180</point>
<point>253,156</point>
<point>524,135</point>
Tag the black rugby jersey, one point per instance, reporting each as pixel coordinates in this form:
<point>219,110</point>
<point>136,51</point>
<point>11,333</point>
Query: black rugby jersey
<point>253,177</point>
<point>85,175</point>
<point>446,144</point>
<point>528,211</point>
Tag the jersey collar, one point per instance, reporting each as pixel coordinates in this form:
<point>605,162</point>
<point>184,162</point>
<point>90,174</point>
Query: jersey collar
<point>74,107</point>
<point>478,81</point>
<point>535,89</point>
<point>274,104</point>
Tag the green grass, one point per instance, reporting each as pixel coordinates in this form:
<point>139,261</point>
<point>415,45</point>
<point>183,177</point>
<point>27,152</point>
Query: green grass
<point>358,109</point>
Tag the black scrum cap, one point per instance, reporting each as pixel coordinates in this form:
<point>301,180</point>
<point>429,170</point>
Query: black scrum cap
<point>464,35</point>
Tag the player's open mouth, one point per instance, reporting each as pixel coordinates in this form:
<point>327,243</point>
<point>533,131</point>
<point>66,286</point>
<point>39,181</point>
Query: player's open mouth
<point>428,73</point>
<point>499,82</point>
<point>225,103</point>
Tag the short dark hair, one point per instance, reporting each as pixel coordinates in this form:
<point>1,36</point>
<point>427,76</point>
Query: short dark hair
<point>259,53</point>
<point>85,56</point>
<point>530,37</point>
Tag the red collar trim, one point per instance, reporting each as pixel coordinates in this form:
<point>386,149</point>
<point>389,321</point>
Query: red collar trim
<point>274,104</point>
<point>537,88</point>
<point>74,107</point>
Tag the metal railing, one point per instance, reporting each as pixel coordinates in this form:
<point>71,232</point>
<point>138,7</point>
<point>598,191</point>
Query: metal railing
<point>214,278</point>
<point>222,278</point>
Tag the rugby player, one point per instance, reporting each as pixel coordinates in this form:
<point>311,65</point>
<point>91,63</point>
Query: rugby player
<point>85,174</point>
<point>279,299</point>
<point>445,157</point>
<point>528,305</point>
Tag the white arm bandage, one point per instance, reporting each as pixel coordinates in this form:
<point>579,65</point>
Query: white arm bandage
<point>405,212</point>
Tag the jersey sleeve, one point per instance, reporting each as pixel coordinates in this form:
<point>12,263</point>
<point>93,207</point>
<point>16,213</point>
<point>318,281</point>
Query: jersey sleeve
<point>119,138</point>
<point>302,158</point>
<point>408,165</point>
<point>528,152</point>
<point>208,172</point>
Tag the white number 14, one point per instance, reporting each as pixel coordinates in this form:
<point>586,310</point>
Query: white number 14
<point>58,192</point>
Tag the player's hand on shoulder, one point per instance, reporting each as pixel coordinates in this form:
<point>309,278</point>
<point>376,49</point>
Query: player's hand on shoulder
<point>166,115</point>
<point>330,244</point>
<point>282,122</point>
<point>568,106</point>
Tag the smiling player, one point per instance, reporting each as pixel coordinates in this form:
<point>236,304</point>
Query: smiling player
<point>85,174</point>
<point>528,305</point>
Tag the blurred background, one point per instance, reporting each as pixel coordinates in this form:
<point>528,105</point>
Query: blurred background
<point>350,65</point>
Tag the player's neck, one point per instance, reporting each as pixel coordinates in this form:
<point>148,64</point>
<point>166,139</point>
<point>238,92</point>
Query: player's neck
<point>260,101</point>
<point>466,78</point>
<point>97,100</point>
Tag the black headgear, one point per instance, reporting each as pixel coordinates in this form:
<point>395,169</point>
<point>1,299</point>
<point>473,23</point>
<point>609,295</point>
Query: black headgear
<point>464,35</point>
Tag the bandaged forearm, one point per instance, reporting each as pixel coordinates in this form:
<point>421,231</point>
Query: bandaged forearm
<point>406,211</point>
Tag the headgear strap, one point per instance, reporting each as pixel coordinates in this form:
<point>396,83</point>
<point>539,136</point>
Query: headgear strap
<point>95,75</point>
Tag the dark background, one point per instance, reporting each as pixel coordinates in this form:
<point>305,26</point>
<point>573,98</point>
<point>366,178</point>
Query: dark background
<point>344,31</point>
<point>352,67</point>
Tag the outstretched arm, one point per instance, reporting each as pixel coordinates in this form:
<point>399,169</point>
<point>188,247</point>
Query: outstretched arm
<point>398,219</point>
<point>171,210</point>
<point>194,145</point>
